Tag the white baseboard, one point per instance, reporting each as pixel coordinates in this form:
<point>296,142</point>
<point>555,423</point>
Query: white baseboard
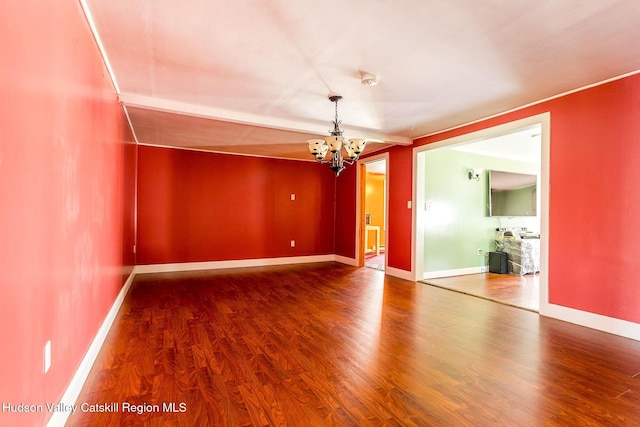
<point>59,418</point>
<point>389,271</point>
<point>214,265</point>
<point>345,260</point>
<point>456,272</point>
<point>599,322</point>
<point>401,274</point>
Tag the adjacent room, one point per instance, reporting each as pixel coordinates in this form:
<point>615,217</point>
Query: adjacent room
<point>375,216</point>
<point>289,213</point>
<point>482,199</point>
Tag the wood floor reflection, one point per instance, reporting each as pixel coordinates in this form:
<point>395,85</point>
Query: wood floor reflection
<point>518,291</point>
<point>332,345</point>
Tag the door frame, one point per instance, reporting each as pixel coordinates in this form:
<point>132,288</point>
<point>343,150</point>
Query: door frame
<point>360,205</point>
<point>417,257</point>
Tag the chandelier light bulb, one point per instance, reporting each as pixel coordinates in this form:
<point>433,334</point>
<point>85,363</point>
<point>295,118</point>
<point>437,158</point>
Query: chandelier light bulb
<point>319,148</point>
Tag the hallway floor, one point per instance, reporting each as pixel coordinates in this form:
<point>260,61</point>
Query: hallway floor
<point>371,260</point>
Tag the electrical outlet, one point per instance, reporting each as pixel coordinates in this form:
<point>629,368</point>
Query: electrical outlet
<point>293,243</point>
<point>480,251</point>
<point>47,356</point>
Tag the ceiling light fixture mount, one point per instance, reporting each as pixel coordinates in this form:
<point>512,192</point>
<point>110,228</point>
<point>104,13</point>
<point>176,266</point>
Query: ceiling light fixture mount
<point>334,144</point>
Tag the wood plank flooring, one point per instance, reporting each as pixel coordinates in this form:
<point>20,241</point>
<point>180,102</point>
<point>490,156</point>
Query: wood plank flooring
<point>332,345</point>
<point>518,291</point>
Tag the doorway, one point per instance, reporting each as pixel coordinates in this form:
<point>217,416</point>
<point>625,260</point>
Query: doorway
<point>373,212</point>
<point>429,263</point>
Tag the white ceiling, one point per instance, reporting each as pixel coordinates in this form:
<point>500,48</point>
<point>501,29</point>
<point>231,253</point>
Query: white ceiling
<point>523,145</point>
<point>253,77</point>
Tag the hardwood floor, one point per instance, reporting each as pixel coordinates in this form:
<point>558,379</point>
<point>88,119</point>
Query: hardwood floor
<point>332,345</point>
<point>518,291</point>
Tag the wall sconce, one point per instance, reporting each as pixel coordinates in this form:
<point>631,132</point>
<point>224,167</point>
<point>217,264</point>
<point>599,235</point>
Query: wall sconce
<point>475,174</point>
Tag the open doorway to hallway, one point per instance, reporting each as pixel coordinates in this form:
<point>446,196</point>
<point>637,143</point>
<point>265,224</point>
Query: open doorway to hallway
<point>455,230</point>
<point>375,214</point>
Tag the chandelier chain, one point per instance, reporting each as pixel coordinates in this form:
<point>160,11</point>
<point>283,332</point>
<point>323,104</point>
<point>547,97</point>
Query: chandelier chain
<point>334,145</point>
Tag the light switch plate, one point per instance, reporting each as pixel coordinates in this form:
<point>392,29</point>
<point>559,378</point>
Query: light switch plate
<point>47,356</point>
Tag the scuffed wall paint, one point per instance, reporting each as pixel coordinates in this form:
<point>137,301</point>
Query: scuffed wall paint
<point>67,182</point>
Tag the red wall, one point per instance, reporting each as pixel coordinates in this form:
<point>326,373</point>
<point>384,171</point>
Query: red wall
<point>398,237</point>
<point>67,195</point>
<point>595,200</point>
<point>196,206</point>
<point>400,190</point>
<point>67,182</point>
<point>345,205</point>
<point>594,196</point>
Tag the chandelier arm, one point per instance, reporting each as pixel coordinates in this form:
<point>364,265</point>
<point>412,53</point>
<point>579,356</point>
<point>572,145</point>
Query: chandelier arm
<point>346,161</point>
<point>335,144</point>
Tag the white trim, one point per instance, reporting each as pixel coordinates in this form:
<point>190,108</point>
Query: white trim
<point>545,165</point>
<point>345,260</point>
<point>58,419</point>
<point>133,131</point>
<point>207,112</point>
<point>360,221</point>
<point>599,322</point>
<point>522,107</point>
<point>229,153</point>
<point>417,214</point>
<point>70,396</point>
<point>544,119</point>
<point>96,37</point>
<point>214,265</point>
<point>77,382</point>
<point>455,272</point>
<point>401,274</point>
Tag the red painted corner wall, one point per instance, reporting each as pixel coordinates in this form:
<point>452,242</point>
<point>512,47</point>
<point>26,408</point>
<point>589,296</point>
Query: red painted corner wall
<point>345,212</point>
<point>594,196</point>
<point>595,200</point>
<point>196,206</point>
<point>398,237</point>
<point>67,200</point>
<point>400,179</point>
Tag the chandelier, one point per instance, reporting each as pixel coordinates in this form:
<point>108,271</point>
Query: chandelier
<point>333,144</point>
